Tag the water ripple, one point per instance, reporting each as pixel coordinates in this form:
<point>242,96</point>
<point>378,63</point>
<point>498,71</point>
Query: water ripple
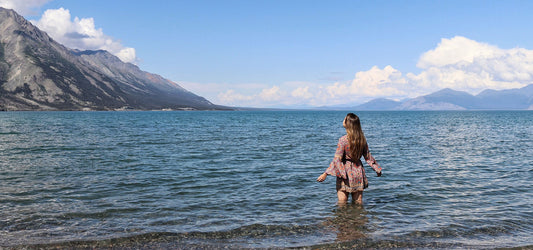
<point>247,179</point>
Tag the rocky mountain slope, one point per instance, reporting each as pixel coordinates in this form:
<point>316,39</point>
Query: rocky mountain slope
<point>37,73</point>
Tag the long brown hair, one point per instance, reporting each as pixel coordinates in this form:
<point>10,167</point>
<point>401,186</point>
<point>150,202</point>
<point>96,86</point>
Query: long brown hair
<point>356,137</point>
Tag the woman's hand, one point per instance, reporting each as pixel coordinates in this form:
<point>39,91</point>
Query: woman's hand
<point>322,177</point>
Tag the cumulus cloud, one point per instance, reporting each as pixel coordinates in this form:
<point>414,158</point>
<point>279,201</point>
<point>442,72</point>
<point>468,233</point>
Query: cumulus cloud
<point>271,95</point>
<point>372,83</point>
<point>366,85</point>
<point>457,51</point>
<point>81,34</point>
<point>458,63</point>
<point>302,93</point>
<point>464,64</point>
<point>23,7</point>
<point>267,96</point>
<point>230,97</point>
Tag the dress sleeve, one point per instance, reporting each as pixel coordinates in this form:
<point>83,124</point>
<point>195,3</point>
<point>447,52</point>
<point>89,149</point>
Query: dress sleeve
<point>336,167</point>
<point>370,160</point>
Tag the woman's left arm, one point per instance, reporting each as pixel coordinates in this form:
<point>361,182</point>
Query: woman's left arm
<point>371,161</point>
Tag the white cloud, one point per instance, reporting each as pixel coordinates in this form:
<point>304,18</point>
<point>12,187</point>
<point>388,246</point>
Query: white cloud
<point>127,55</point>
<point>457,51</point>
<point>271,95</point>
<point>365,86</point>
<point>227,93</point>
<point>266,97</point>
<point>372,83</point>
<point>386,82</point>
<point>463,64</point>
<point>458,63</point>
<point>230,97</point>
<point>23,7</point>
<point>302,92</point>
<point>81,34</point>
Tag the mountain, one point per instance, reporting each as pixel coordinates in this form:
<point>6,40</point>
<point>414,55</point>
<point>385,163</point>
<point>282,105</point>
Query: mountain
<point>379,104</point>
<point>37,73</point>
<point>449,99</point>
<point>446,99</point>
<point>508,99</point>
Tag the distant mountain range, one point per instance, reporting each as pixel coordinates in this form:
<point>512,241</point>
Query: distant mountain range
<point>449,99</point>
<point>37,73</point>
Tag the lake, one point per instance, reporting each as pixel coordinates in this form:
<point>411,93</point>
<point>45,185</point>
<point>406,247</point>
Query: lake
<point>452,179</point>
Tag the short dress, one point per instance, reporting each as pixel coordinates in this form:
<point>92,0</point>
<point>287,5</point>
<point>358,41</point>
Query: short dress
<point>350,173</point>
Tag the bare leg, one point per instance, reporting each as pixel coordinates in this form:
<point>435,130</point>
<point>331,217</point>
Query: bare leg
<point>343,197</point>
<point>357,197</point>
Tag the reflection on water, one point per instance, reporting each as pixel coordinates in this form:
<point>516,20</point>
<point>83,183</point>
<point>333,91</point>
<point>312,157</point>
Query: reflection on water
<point>349,222</point>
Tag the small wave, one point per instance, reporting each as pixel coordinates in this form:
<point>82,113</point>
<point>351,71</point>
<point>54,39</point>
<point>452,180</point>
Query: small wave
<point>11,133</point>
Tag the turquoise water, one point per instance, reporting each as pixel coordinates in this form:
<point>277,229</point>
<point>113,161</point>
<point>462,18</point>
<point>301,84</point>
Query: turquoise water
<point>247,179</point>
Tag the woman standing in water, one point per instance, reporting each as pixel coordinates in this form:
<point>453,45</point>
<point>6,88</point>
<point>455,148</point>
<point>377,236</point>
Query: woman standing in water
<point>347,165</point>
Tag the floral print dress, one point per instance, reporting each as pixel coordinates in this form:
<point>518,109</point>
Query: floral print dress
<point>350,173</point>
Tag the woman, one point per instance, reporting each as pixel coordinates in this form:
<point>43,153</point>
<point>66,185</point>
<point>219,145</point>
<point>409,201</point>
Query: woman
<point>347,165</point>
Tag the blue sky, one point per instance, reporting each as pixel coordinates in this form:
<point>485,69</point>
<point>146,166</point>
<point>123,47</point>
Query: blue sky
<point>294,53</point>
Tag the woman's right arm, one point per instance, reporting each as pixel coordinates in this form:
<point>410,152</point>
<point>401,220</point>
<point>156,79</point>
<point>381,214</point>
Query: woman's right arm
<point>322,177</point>
<point>336,167</point>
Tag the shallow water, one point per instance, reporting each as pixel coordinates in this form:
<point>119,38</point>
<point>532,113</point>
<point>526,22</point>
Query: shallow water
<point>247,179</point>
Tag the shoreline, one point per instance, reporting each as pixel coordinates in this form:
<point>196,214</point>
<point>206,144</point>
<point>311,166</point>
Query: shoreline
<point>220,240</point>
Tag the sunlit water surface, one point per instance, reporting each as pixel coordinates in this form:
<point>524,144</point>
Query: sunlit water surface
<point>248,179</point>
